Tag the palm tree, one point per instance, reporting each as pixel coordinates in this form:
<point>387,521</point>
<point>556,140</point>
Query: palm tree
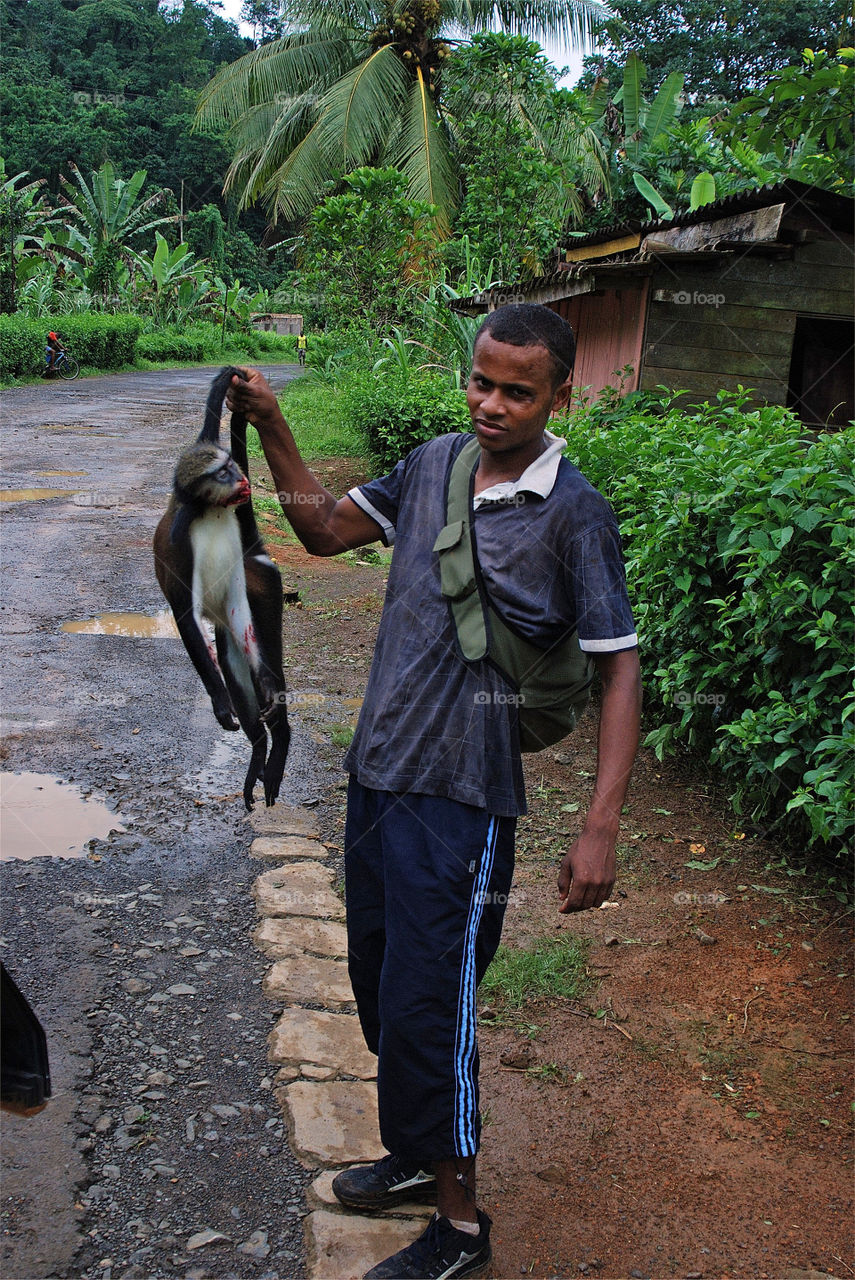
<point>358,82</point>
<point>106,218</point>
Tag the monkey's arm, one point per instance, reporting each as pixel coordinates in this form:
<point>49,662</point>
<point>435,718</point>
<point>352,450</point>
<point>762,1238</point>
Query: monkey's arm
<point>325,525</point>
<point>175,573</point>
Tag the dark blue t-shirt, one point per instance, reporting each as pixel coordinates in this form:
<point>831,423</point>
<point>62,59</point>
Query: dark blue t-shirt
<point>431,722</point>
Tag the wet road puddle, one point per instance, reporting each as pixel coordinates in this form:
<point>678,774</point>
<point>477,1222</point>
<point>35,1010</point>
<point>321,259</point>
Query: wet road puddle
<point>138,626</point>
<point>44,817</point>
<point>33,495</point>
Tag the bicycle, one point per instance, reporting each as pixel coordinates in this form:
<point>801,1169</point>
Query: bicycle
<point>66,366</point>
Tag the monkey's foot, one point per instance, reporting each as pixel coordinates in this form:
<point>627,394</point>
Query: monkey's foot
<point>271,701</point>
<point>227,718</point>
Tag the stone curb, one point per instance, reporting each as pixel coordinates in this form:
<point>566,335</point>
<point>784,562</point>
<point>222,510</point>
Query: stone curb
<point>285,847</point>
<point>342,1247</point>
<point>331,1120</point>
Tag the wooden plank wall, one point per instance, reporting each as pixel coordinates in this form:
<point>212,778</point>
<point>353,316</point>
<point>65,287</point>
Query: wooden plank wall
<point>608,326</point>
<point>735,323</point>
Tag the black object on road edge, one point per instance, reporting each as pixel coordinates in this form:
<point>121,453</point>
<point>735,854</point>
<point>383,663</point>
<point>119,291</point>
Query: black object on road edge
<point>24,1070</point>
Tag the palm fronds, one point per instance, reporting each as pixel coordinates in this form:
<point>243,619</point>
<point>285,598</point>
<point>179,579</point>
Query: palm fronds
<point>422,152</point>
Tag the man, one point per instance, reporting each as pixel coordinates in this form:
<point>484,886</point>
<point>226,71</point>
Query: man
<point>53,346</point>
<point>302,344</point>
<point>436,777</point>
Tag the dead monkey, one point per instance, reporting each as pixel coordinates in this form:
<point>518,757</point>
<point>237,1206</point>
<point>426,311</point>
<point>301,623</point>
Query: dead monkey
<point>211,565</point>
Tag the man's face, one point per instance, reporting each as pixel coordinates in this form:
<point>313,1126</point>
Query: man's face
<point>511,394</point>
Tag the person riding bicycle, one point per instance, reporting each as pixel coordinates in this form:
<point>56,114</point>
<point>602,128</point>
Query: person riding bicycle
<point>53,347</point>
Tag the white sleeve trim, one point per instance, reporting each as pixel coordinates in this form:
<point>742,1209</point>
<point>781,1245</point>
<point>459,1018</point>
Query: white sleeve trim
<point>362,502</point>
<point>609,646</point>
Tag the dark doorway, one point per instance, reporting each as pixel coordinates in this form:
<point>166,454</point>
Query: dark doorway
<point>821,372</point>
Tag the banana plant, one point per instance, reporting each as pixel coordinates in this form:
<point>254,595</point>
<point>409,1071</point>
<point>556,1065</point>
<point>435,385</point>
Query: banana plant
<point>173,281</point>
<point>641,127</point>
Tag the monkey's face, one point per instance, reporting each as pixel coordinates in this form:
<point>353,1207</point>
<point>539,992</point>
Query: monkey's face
<point>210,475</point>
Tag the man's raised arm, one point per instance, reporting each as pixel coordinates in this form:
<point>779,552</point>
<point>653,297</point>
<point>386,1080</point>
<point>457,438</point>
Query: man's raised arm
<point>324,524</point>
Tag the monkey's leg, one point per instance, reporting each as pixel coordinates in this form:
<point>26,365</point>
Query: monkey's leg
<point>280,732</point>
<point>201,655</point>
<point>239,681</point>
<point>264,593</point>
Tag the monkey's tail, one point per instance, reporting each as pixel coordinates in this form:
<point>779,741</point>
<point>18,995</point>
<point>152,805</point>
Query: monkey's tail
<point>210,433</point>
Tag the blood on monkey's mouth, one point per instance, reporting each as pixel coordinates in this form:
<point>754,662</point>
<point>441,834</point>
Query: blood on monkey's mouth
<point>242,494</point>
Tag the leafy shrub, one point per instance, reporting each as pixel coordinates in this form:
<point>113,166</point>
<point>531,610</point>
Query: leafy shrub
<point>740,561</point>
<point>99,341</point>
<point>161,346</point>
<point>397,412</point>
<point>276,343</point>
<point>240,343</point>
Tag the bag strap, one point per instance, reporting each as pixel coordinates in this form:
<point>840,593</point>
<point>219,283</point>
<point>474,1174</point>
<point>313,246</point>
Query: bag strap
<point>468,611</point>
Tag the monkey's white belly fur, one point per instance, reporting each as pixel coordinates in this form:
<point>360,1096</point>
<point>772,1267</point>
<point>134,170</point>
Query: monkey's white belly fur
<point>219,583</point>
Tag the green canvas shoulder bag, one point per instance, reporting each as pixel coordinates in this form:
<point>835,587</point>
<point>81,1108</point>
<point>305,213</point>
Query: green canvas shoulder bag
<point>553,685</point>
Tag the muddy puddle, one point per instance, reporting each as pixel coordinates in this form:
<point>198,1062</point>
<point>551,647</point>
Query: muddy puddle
<point>33,495</point>
<point>138,626</point>
<point>44,817</point>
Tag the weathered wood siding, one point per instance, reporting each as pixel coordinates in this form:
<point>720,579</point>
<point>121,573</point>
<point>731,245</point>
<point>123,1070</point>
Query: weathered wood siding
<point>735,324</point>
<point>608,328</point>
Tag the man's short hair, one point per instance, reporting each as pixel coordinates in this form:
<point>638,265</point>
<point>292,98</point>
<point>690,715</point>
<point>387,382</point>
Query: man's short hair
<point>529,324</point>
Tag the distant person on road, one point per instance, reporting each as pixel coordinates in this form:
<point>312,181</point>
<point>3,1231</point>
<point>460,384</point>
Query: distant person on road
<point>302,344</point>
<point>53,347</point>
<point>436,779</point>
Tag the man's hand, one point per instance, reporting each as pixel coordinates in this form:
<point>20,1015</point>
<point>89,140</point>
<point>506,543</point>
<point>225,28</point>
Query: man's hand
<point>324,525</point>
<point>587,874</point>
<point>255,399</point>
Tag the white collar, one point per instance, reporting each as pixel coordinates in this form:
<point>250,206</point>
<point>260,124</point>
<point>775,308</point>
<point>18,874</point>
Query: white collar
<point>537,478</point>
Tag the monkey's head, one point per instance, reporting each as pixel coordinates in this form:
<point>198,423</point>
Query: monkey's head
<point>209,476</point>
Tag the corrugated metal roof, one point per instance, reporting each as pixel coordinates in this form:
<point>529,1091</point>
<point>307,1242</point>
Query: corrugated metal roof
<point>830,202</point>
<point>741,201</point>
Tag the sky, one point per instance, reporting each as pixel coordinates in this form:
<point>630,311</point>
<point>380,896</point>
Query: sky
<point>555,53</point>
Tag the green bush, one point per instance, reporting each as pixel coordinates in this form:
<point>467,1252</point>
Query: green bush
<point>95,340</point>
<point>396,412</point>
<point>162,346</point>
<point>244,345</point>
<point>278,344</point>
<point>740,561</point>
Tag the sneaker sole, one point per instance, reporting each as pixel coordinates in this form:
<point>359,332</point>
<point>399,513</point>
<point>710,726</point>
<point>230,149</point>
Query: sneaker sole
<point>415,1195</point>
<point>479,1268</point>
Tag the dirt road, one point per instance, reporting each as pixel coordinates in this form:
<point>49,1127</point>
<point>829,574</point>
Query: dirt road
<point>136,956</point>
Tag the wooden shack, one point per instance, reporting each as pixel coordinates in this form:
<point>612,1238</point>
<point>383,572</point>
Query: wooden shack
<point>278,322</point>
<point>754,289</point>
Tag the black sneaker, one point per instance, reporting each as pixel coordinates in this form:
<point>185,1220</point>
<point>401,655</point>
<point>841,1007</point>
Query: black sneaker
<point>390,1181</point>
<point>440,1253</point>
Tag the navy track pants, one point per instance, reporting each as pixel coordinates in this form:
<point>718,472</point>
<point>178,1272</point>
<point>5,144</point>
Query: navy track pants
<point>427,881</point>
